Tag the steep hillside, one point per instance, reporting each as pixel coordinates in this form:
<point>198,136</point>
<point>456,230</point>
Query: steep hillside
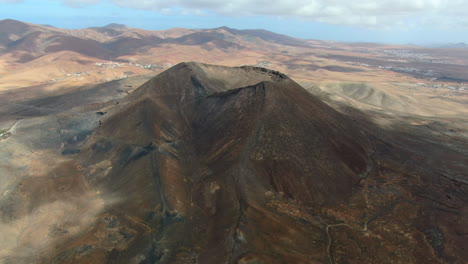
<point>211,164</point>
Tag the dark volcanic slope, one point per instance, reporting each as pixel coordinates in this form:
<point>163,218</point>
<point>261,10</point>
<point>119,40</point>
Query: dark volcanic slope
<point>209,164</point>
<point>210,146</point>
<point>250,119</point>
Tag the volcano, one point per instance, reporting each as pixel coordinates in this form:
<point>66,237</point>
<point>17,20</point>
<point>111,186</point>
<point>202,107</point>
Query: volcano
<point>211,164</point>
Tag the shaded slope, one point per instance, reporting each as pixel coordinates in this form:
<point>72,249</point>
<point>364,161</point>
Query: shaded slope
<point>220,145</point>
<point>268,36</point>
<point>210,164</point>
<point>210,151</point>
<point>86,47</point>
<point>10,31</point>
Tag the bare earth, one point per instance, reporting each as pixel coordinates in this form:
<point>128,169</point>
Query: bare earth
<point>338,153</point>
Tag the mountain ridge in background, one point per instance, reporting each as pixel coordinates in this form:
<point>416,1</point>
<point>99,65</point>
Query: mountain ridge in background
<point>71,58</point>
<point>105,41</point>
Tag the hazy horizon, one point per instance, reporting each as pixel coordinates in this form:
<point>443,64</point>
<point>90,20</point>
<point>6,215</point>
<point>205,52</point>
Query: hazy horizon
<point>412,22</point>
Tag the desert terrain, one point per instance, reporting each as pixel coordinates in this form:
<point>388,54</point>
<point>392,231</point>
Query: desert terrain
<point>123,145</point>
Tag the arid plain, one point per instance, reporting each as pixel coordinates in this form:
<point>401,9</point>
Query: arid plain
<point>122,145</point>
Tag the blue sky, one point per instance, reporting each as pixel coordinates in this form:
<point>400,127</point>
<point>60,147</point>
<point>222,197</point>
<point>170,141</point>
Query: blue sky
<point>410,21</point>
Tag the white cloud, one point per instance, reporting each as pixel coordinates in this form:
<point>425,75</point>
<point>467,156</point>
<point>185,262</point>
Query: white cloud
<point>368,13</point>
<point>365,13</point>
<point>80,3</point>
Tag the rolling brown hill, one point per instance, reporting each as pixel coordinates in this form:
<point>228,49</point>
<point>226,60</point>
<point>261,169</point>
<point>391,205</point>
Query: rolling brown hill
<point>405,80</point>
<point>212,164</point>
<point>114,40</point>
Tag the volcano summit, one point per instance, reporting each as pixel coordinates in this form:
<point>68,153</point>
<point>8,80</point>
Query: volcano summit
<point>212,164</point>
